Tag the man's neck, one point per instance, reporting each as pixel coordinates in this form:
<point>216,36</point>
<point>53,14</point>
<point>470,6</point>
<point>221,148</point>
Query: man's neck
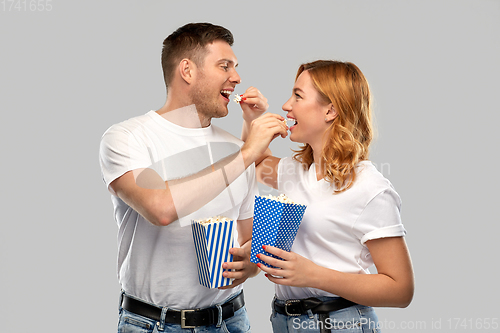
<point>184,116</point>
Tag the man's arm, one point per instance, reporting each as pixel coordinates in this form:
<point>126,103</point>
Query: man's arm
<point>162,202</point>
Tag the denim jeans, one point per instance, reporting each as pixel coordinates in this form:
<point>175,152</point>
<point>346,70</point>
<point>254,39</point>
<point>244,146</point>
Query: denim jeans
<point>132,323</point>
<point>354,319</point>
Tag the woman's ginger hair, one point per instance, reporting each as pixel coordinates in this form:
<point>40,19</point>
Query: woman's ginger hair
<point>351,132</point>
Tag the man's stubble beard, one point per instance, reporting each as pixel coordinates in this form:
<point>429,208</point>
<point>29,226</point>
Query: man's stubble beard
<point>207,102</point>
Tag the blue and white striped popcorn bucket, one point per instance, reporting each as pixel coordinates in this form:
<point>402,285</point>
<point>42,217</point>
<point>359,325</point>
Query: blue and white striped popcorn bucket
<point>275,223</point>
<point>212,240</point>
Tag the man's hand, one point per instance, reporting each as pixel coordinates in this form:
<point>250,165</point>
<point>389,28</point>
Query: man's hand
<point>240,269</point>
<point>262,131</point>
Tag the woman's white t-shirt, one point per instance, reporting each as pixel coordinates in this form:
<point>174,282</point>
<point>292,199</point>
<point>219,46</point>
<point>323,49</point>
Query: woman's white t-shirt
<point>335,227</point>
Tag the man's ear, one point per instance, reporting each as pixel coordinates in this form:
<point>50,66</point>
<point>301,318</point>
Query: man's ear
<point>186,70</point>
<point>331,113</point>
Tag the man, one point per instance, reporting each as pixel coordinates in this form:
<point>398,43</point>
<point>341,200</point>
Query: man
<point>170,166</point>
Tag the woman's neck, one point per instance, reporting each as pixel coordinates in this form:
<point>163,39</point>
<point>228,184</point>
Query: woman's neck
<point>318,164</point>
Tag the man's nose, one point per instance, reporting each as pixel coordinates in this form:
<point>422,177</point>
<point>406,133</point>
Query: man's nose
<point>235,77</point>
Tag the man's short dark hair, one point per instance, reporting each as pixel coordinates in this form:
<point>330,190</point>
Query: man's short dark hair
<point>189,42</point>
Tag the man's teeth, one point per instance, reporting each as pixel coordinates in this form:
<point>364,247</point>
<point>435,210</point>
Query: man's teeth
<point>226,93</point>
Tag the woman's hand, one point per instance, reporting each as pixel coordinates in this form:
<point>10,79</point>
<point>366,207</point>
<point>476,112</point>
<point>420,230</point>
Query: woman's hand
<point>253,104</point>
<point>392,286</point>
<point>294,270</point>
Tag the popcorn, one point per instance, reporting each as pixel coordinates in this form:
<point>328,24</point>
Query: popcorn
<point>213,237</point>
<point>276,222</point>
<point>237,98</point>
<point>215,219</point>
<point>281,198</point>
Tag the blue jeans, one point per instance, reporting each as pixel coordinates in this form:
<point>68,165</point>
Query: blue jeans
<point>132,323</point>
<point>354,319</point>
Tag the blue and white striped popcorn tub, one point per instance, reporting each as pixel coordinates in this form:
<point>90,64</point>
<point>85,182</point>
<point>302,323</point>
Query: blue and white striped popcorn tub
<point>276,222</point>
<point>212,240</point>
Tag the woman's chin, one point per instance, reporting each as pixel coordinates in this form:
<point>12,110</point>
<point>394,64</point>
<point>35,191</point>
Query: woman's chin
<point>293,139</point>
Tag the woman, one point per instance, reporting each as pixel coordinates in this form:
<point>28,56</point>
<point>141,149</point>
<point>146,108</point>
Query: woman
<point>352,220</point>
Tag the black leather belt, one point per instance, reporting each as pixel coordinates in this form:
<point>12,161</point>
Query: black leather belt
<point>185,318</point>
<point>297,307</point>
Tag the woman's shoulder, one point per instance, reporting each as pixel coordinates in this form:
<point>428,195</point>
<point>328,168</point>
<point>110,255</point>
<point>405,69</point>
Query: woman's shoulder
<point>369,178</point>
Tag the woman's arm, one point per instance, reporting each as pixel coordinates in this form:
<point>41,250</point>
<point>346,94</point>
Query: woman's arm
<point>392,286</point>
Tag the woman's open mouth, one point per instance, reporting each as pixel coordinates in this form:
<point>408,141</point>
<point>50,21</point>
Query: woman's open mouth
<point>294,123</point>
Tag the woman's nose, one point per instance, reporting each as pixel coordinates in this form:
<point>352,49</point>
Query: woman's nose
<point>287,107</point>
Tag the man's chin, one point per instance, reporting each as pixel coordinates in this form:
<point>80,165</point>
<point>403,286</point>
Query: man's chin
<point>221,113</point>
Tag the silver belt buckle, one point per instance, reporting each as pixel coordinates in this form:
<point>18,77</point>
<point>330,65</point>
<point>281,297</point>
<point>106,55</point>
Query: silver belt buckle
<point>183,319</point>
<point>289,302</point>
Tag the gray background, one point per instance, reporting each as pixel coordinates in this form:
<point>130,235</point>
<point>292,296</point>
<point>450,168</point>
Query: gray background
<point>67,74</point>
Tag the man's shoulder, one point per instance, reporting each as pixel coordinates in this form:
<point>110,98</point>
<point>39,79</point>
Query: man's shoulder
<point>129,125</point>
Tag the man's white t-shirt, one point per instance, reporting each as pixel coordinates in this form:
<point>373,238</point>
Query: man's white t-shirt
<point>158,264</point>
<point>335,227</point>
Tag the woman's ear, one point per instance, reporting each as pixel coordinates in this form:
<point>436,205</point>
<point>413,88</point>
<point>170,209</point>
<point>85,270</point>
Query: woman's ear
<point>186,70</point>
<point>331,113</point>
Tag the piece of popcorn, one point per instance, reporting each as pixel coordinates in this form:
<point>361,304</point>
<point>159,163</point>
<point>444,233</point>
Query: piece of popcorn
<point>237,98</point>
<point>281,198</point>
<point>215,219</point>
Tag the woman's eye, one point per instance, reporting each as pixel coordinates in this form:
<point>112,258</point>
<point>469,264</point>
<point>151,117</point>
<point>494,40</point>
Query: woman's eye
<point>297,96</point>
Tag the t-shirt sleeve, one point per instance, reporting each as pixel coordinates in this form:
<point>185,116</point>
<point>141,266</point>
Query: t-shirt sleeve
<point>120,152</point>
<point>247,206</point>
<point>381,218</point>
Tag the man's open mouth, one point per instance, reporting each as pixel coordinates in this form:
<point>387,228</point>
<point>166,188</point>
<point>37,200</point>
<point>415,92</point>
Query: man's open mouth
<point>226,93</point>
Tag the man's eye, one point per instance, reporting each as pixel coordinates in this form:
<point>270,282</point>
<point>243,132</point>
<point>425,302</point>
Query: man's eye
<point>225,68</point>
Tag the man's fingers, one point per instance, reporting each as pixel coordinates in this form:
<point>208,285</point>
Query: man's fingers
<point>237,265</point>
<point>238,252</point>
